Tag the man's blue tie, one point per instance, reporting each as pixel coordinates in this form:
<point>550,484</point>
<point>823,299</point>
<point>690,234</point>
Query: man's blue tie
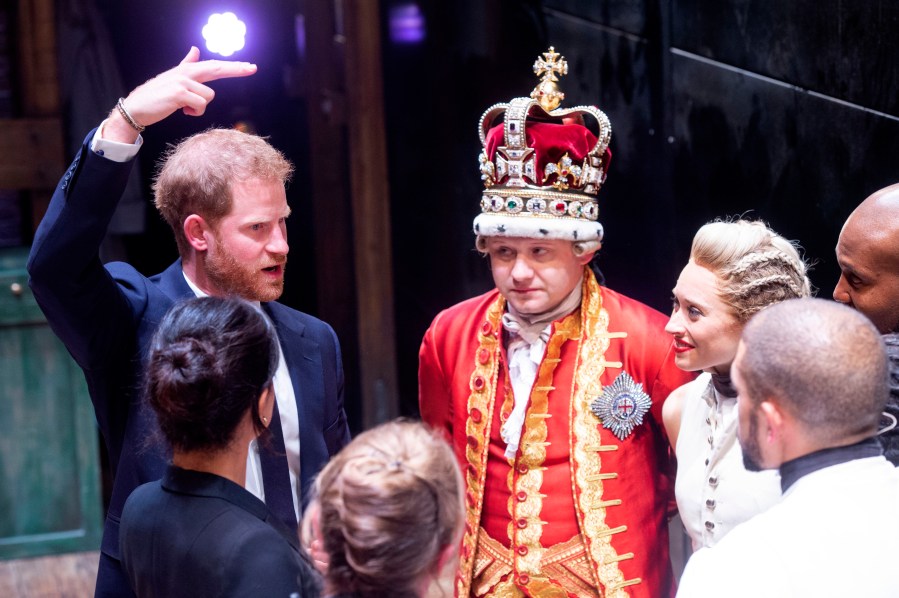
<point>275,476</point>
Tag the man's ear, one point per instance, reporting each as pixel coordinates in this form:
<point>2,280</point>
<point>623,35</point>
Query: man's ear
<point>585,258</point>
<point>773,418</point>
<point>196,230</point>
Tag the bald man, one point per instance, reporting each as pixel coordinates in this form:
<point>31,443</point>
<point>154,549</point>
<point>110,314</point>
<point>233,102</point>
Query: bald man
<point>812,381</point>
<point>868,254</point>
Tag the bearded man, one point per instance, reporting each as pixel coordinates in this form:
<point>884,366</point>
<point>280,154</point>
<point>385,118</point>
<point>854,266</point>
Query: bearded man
<point>222,192</point>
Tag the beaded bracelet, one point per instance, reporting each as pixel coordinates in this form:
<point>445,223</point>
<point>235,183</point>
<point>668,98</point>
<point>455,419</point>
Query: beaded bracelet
<point>128,118</point>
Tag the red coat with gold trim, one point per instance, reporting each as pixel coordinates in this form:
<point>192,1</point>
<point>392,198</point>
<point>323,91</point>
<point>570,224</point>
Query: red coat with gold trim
<point>571,475</point>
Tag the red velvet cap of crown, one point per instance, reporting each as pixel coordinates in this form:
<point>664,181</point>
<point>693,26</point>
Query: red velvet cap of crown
<point>551,141</point>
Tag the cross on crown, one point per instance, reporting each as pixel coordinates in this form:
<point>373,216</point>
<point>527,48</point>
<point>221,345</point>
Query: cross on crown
<point>552,63</point>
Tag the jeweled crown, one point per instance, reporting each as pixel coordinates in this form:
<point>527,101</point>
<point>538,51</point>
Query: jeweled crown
<point>542,167</point>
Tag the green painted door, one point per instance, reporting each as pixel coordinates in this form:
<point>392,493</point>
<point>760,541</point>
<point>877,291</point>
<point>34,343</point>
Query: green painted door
<point>49,472</point>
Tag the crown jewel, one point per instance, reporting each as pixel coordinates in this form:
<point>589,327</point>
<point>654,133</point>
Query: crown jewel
<point>542,167</point>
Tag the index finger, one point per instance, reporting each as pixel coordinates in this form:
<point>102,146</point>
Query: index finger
<point>210,70</point>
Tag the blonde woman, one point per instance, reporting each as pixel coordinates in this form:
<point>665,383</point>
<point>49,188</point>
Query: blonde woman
<point>735,269</point>
<point>387,514</point>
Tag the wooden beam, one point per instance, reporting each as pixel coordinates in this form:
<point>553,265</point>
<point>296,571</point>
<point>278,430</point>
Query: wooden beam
<point>38,70</point>
<point>39,97</point>
<point>351,205</point>
<point>371,211</point>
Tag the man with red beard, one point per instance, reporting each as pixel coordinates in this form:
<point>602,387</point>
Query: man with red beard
<point>222,192</point>
<point>550,387</point>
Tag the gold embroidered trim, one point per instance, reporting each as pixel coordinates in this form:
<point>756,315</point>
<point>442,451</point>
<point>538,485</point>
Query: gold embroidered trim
<point>565,567</point>
<point>586,464</point>
<point>601,448</point>
<point>611,530</point>
<point>477,428</point>
<point>601,476</point>
<point>629,582</point>
<point>526,501</point>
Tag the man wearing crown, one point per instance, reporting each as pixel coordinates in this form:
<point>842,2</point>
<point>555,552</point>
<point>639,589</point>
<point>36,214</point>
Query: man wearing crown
<point>550,387</point>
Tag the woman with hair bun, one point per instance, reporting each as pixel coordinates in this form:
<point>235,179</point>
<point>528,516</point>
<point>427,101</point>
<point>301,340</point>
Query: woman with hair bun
<point>735,269</point>
<point>197,532</point>
<point>387,513</point>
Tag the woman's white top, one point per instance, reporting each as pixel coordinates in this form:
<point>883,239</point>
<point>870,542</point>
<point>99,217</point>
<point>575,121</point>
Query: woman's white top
<point>714,490</point>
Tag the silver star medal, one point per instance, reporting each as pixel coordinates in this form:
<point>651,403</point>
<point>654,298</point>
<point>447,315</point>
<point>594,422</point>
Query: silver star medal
<point>621,405</point>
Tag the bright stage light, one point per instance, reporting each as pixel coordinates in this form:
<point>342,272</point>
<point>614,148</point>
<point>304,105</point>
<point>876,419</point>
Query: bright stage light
<point>224,34</point>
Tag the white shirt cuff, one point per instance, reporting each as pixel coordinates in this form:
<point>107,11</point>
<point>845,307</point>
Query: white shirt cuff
<point>113,150</point>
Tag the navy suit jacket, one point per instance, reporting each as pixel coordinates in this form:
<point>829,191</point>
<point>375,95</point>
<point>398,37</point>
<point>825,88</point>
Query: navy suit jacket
<point>106,316</point>
<point>197,535</point>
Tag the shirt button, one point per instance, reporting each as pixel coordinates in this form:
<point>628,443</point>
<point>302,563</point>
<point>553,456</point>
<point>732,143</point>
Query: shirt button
<point>479,383</point>
<point>486,328</point>
<point>101,152</point>
<point>706,461</point>
<point>483,356</point>
<point>469,497</point>
<point>476,415</point>
<point>709,525</point>
<point>713,481</point>
<point>522,550</point>
<point>472,442</point>
<point>523,468</point>
<point>522,496</point>
<point>710,503</point>
<point>472,471</point>
<point>524,579</point>
<point>522,523</point>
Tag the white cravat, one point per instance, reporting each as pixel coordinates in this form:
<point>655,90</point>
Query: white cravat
<point>528,336</point>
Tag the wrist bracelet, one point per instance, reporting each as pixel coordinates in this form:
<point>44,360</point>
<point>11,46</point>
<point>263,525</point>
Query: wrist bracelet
<point>128,118</point>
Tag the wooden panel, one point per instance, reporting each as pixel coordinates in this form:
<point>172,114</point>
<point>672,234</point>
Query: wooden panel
<point>842,49</point>
<point>49,488</point>
<point>31,153</point>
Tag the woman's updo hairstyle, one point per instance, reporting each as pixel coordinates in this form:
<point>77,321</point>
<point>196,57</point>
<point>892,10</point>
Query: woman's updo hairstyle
<point>210,360</point>
<point>755,266</point>
<point>389,504</point>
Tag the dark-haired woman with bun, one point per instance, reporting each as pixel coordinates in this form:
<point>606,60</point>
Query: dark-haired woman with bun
<point>197,532</point>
